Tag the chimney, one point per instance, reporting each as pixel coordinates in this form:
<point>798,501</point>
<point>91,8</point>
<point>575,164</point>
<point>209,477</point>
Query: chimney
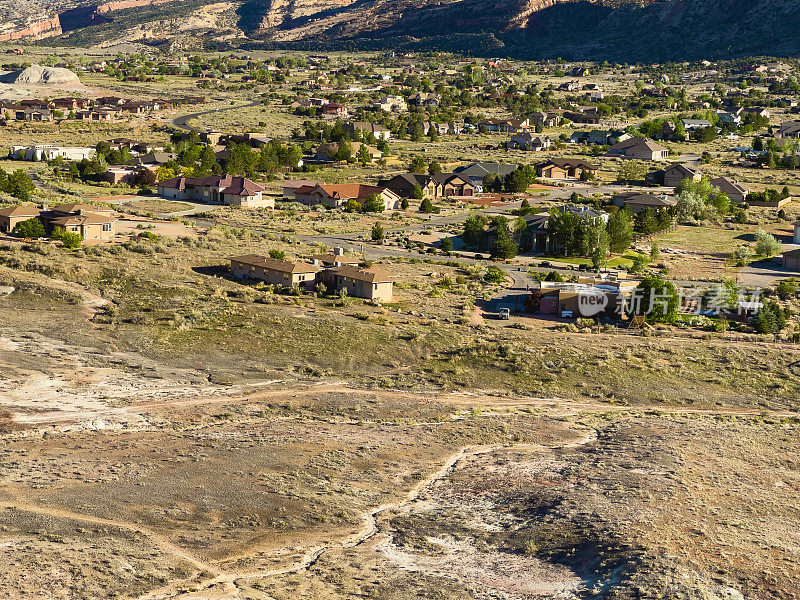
<point>338,251</point>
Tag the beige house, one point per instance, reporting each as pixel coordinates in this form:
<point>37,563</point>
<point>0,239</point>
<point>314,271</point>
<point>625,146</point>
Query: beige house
<point>360,283</point>
<point>92,223</point>
<point>638,148</point>
<point>337,196</point>
<point>733,189</point>
<point>273,270</point>
<point>216,189</point>
<point>9,217</point>
<point>89,226</point>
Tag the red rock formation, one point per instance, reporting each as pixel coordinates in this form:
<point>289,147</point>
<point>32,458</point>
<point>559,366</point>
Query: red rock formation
<point>123,4</point>
<point>42,29</point>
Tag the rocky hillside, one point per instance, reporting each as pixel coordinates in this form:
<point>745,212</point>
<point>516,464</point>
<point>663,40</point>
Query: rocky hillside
<point>627,30</point>
<point>622,30</point>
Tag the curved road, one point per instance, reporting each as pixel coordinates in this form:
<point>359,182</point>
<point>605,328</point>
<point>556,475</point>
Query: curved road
<point>182,122</point>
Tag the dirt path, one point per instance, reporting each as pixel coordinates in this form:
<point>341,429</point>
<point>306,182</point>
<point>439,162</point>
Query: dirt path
<point>369,528</point>
<point>159,540</point>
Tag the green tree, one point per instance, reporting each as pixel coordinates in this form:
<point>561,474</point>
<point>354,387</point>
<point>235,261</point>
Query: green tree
<point>378,234</point>
<point>520,179</point>
<point>446,245</point>
<point>473,230</point>
<point>344,151</point>
<point>32,228</point>
<point>434,167</point>
<point>632,170</point>
<point>363,156</point>
<point>646,221</point>
<point>658,300</point>
<point>426,206</point>
<point>68,238</point>
<point>277,254</point>
<point>418,165</point>
<point>417,193</point>
<point>374,203</point>
<point>766,244</point>
<point>620,230</point>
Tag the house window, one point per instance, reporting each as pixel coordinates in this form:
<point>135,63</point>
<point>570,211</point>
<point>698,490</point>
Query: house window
<point>106,226</point>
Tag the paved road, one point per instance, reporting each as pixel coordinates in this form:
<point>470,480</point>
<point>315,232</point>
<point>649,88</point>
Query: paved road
<point>183,121</point>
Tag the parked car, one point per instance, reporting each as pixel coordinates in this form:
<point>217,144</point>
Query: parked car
<point>504,314</point>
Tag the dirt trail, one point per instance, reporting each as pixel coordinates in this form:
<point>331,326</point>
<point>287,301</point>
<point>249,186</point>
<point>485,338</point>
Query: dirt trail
<point>488,402</point>
<point>370,526</point>
<point>159,540</point>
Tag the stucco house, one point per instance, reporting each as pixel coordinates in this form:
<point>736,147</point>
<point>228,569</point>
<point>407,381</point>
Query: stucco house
<point>216,189</point>
<point>733,189</point>
<point>273,270</point>
<point>337,195</point>
<point>9,217</point>
<point>638,148</point>
<point>370,284</point>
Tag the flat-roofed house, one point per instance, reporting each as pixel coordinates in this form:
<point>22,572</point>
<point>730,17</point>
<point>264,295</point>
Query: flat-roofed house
<point>275,271</point>
<point>50,152</point>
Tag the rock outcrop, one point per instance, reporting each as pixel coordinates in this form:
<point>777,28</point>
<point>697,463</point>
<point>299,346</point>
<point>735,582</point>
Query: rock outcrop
<point>39,75</point>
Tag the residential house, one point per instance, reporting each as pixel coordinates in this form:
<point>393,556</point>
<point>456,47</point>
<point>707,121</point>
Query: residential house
<point>791,260</point>
<point>327,152</point>
<point>529,141</point>
<point>640,202</point>
<point>379,131</point>
<point>477,171</point>
<point>544,119</point>
<point>796,235</point>
<point>99,115</point>
<point>290,186</point>
<point>731,188</point>
<point>391,104</point>
<point>333,110</point>
<point>370,284</point>
<point>440,128</point>
<point>507,125</point>
<point>216,189</point>
<point>9,217</point>
<point>274,271</point>
<point>154,159</point>
<point>695,124</point>
<point>91,222</point>
<point>726,117</point>
<point>124,174</point>
<point>582,118</point>
<point>788,130</point>
<point>672,175</point>
<point>452,185</point>
<point>70,104</point>
<point>403,185</point>
<point>337,258</point>
<point>565,168</point>
<point>601,137</point>
<point>638,148</point>
<point>50,152</point>
<point>338,195</point>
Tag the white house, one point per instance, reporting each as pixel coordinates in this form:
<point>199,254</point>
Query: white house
<point>50,152</point>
